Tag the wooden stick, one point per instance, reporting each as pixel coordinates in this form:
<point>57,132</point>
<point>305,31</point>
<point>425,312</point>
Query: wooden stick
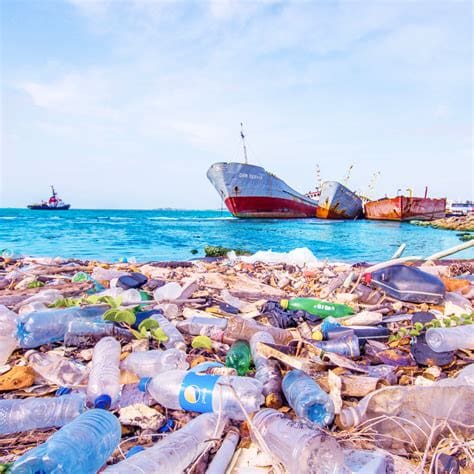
<point>451,251</point>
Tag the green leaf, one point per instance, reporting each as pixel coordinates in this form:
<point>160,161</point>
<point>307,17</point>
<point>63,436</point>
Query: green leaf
<point>120,316</point>
<point>137,334</point>
<point>148,324</point>
<point>35,284</point>
<point>5,468</point>
<point>159,335</point>
<point>202,342</point>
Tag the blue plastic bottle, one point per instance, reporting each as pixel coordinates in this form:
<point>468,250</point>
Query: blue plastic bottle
<point>42,327</point>
<point>307,398</point>
<point>82,446</point>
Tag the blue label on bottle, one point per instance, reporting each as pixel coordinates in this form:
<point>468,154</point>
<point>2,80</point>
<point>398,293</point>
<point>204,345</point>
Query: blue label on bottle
<point>196,392</point>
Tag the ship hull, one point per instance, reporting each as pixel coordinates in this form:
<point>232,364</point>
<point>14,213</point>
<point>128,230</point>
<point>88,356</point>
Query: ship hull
<point>403,208</point>
<point>338,202</point>
<point>48,208</point>
<point>249,191</point>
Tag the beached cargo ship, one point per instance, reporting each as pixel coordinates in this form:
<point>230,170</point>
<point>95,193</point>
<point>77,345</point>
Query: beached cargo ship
<point>338,202</point>
<point>405,208</point>
<point>251,191</point>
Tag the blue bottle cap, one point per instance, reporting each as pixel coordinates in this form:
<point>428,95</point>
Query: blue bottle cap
<point>103,401</point>
<point>134,450</point>
<point>168,426</point>
<point>143,384</point>
<point>63,391</point>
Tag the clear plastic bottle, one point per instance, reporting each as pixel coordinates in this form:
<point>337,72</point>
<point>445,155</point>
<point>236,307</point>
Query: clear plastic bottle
<point>18,415</point>
<point>150,363</point>
<point>56,369</point>
<point>43,327</point>
<point>8,340</point>
<point>168,292</point>
<point>103,388</point>
<point>225,453</point>
<point>450,339</point>
<point>175,338</point>
<point>187,390</point>
<point>267,371</point>
<point>347,345</point>
<point>307,398</point>
<point>177,451</point>
<point>202,326</point>
<point>297,444</point>
<point>80,328</point>
<point>81,446</point>
<point>106,274</point>
<point>240,328</point>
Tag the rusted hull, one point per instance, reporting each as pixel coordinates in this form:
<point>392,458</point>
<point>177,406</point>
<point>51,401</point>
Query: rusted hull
<point>403,208</point>
<point>338,202</point>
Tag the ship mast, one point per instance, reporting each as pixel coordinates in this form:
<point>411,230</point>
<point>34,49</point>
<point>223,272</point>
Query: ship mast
<point>318,177</point>
<point>243,142</point>
<point>348,175</point>
<point>53,191</point>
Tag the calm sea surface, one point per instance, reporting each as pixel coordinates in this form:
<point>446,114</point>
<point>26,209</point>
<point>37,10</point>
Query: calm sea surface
<point>173,234</point>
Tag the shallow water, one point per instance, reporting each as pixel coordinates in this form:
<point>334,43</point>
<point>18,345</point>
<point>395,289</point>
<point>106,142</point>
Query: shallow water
<point>172,234</point>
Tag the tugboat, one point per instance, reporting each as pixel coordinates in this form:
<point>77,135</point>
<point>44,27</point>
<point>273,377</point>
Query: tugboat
<point>53,204</point>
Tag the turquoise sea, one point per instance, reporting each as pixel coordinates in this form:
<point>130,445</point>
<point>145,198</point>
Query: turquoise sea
<point>172,235</point>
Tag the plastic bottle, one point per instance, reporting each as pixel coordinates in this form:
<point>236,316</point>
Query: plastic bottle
<point>105,274</point>
<point>80,327</point>
<point>57,369</point>
<point>170,291</point>
<point>307,398</point>
<point>224,455</point>
<point>240,328</point>
<point>30,307</point>
<point>181,390</point>
<point>104,380</point>
<point>43,327</point>
<point>17,415</point>
<point>81,446</point>
<point>202,326</point>
<point>267,371</point>
<point>238,357</point>
<point>8,340</point>
<point>450,339</point>
<point>347,345</point>
<point>175,338</point>
<point>177,451</point>
<point>317,307</point>
<point>150,363</point>
<point>46,297</point>
<point>297,444</point>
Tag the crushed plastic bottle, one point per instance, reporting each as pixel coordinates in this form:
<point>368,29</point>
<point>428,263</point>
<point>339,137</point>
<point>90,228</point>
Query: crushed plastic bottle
<point>297,444</point>
<point>43,327</point>
<point>319,308</point>
<point>175,338</point>
<point>267,371</point>
<point>18,415</point>
<point>190,391</point>
<point>307,398</point>
<point>202,326</point>
<point>103,388</point>
<point>150,363</point>
<point>82,446</point>
<point>450,339</point>
<point>239,358</point>
<point>177,451</point>
<point>57,369</point>
<point>8,340</point>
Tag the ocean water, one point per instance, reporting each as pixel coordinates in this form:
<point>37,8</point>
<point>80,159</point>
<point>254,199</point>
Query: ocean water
<point>172,235</point>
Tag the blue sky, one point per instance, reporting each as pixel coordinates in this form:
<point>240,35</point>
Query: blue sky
<point>125,104</point>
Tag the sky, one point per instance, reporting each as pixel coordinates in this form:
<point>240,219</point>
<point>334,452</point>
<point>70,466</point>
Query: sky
<point>126,103</point>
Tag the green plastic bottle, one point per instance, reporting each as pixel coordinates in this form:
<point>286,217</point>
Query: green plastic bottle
<point>239,357</point>
<point>317,307</point>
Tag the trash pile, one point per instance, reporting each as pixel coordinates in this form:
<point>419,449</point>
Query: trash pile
<point>247,364</point>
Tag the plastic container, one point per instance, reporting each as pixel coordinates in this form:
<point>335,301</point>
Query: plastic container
<point>239,358</point>
<point>319,308</point>
<point>43,327</point>
<point>150,363</point>
<point>240,328</point>
<point>347,345</point>
<point>56,369</point>
<point>176,451</point>
<point>224,455</point>
<point>81,446</point>
<point>307,398</point>
<point>267,371</point>
<point>18,415</point>
<point>300,446</point>
<point>175,338</point>
<point>103,388</point>
<point>408,284</point>
<point>168,292</point>
<point>450,339</point>
<point>190,391</point>
<point>8,340</point>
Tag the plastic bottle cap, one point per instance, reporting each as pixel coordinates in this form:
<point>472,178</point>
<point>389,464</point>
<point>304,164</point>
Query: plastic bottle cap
<point>143,384</point>
<point>134,450</point>
<point>317,335</point>
<point>168,426</point>
<point>284,304</point>
<point>63,391</point>
<point>103,401</point>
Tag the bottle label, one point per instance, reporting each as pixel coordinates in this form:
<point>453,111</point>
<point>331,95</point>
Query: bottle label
<point>196,392</point>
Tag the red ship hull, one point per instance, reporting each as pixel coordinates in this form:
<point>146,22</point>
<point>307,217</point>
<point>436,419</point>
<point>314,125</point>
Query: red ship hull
<point>268,207</point>
<point>403,208</point>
